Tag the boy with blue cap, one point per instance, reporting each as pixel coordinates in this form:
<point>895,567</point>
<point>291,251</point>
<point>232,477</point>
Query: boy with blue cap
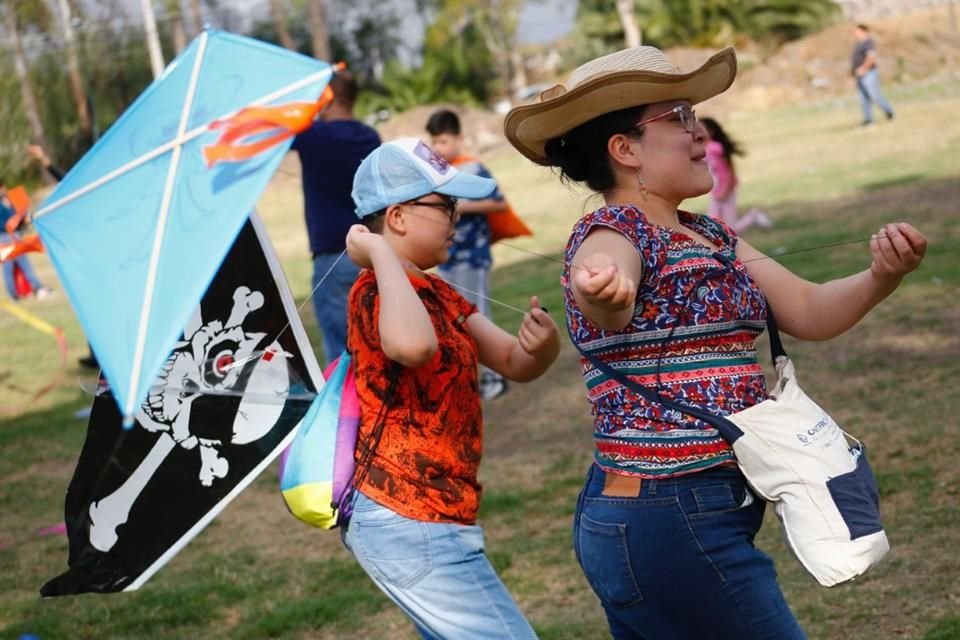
<point>416,344</point>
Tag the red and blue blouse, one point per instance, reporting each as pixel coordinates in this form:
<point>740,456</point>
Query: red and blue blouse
<point>692,338</point>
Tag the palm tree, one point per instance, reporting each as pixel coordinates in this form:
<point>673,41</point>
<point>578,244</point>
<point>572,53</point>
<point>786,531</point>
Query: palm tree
<point>175,17</point>
<point>631,33</point>
<point>73,69</point>
<point>196,17</point>
<point>30,110</point>
<point>279,15</point>
<point>320,38</point>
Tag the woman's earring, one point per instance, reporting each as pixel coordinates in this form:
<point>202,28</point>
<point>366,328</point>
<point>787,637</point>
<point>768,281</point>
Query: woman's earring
<point>643,186</point>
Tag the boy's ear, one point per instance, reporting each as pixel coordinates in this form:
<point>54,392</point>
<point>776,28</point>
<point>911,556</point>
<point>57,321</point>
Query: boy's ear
<point>396,219</point>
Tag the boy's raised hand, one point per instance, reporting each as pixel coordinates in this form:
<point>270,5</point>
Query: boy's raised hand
<point>538,334</point>
<point>601,283</point>
<point>361,244</point>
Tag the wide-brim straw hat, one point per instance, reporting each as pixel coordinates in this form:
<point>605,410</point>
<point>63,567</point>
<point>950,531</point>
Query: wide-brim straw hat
<point>629,78</point>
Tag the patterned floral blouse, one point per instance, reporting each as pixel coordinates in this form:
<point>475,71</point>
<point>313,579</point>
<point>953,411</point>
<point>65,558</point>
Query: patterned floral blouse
<point>697,315</point>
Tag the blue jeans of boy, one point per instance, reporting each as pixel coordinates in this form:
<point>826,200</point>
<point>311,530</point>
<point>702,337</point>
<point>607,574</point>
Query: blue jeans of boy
<point>677,562</point>
<point>868,90</point>
<point>436,572</point>
<point>330,299</point>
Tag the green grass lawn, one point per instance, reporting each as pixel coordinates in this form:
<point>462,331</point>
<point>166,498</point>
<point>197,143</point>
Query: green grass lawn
<point>258,573</point>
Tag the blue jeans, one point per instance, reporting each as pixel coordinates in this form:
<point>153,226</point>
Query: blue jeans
<point>24,265</point>
<point>436,572</point>
<point>330,299</point>
<point>678,561</point>
<point>868,89</point>
<point>472,283</point>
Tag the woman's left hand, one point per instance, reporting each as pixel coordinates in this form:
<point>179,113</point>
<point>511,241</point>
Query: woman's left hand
<point>897,250</point>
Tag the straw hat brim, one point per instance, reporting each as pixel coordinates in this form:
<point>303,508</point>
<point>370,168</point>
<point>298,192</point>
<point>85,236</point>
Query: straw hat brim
<point>529,127</point>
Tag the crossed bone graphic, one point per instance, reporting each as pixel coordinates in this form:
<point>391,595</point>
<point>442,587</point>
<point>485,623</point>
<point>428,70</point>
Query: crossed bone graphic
<point>209,360</point>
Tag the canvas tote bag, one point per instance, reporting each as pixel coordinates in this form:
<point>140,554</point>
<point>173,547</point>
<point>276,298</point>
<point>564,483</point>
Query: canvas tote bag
<point>794,455</point>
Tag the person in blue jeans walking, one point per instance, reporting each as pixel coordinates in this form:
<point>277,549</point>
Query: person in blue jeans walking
<point>330,152</point>
<point>864,70</point>
<point>665,524</point>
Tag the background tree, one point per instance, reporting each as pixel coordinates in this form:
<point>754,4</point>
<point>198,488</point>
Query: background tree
<point>631,32</point>
<point>174,15</point>
<point>319,37</point>
<point>73,68</point>
<point>278,13</point>
<point>15,14</point>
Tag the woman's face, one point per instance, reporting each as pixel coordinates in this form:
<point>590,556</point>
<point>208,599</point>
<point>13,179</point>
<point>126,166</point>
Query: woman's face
<point>673,159</point>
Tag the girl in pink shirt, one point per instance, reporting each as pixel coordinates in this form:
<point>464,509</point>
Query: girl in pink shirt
<point>723,198</point>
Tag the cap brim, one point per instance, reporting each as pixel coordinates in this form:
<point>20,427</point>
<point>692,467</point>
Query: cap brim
<point>530,127</point>
<point>468,186</point>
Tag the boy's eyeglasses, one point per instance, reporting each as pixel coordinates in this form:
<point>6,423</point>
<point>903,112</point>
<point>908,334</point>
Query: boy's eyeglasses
<point>687,116</point>
<point>448,206</point>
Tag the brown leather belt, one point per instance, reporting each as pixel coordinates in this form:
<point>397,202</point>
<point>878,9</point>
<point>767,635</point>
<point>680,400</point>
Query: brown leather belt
<point>616,485</point>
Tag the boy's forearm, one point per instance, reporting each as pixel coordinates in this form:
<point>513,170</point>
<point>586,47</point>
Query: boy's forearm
<point>524,366</point>
<point>406,331</point>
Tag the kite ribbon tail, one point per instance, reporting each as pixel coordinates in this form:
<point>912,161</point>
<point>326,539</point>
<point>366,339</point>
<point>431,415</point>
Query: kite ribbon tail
<point>287,119</point>
<point>44,327</point>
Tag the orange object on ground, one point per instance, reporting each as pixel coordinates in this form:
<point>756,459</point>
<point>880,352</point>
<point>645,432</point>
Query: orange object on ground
<point>243,132</point>
<point>20,246</point>
<point>505,223</point>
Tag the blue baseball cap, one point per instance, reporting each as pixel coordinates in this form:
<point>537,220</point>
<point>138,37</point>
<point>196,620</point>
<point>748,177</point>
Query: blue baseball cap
<point>405,169</point>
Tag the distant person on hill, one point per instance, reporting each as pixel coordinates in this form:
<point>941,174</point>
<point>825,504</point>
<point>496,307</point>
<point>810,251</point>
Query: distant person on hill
<point>723,197</point>
<point>468,268</point>
<point>330,152</point>
<point>864,69</point>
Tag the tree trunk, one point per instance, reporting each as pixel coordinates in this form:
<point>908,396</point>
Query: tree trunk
<point>153,40</point>
<point>196,17</point>
<point>175,15</point>
<point>518,70</point>
<point>30,109</point>
<point>318,31</point>
<point>280,24</point>
<point>73,70</point>
<point>631,32</point>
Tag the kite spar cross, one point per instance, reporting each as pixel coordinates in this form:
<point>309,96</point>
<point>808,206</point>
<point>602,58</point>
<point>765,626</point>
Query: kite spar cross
<point>137,229</point>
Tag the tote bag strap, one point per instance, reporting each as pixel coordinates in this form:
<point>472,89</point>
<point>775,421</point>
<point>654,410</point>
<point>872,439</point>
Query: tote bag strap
<point>730,432</point>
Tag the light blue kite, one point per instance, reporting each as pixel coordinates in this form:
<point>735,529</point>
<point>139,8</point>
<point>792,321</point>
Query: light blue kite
<point>137,229</point>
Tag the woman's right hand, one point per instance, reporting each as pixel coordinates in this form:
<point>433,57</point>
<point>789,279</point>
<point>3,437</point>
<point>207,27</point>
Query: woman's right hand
<point>361,245</point>
<point>602,284</point>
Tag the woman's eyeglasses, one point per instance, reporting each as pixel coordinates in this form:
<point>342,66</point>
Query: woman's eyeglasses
<point>686,115</point>
<point>448,206</point>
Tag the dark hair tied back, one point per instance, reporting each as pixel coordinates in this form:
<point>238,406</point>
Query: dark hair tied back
<point>581,154</point>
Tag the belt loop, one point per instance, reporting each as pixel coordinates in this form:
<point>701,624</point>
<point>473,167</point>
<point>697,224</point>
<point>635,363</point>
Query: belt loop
<point>651,487</point>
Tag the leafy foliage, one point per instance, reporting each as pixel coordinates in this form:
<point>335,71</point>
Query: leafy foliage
<point>708,23</point>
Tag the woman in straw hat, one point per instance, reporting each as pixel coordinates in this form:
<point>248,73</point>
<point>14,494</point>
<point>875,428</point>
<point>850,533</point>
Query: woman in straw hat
<point>665,523</point>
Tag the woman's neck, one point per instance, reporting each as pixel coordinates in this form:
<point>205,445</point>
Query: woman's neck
<point>657,209</point>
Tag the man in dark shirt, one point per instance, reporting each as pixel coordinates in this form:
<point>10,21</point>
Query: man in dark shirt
<point>864,69</point>
<point>330,152</point>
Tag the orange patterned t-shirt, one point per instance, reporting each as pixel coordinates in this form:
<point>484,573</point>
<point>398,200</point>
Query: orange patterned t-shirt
<point>425,464</point>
